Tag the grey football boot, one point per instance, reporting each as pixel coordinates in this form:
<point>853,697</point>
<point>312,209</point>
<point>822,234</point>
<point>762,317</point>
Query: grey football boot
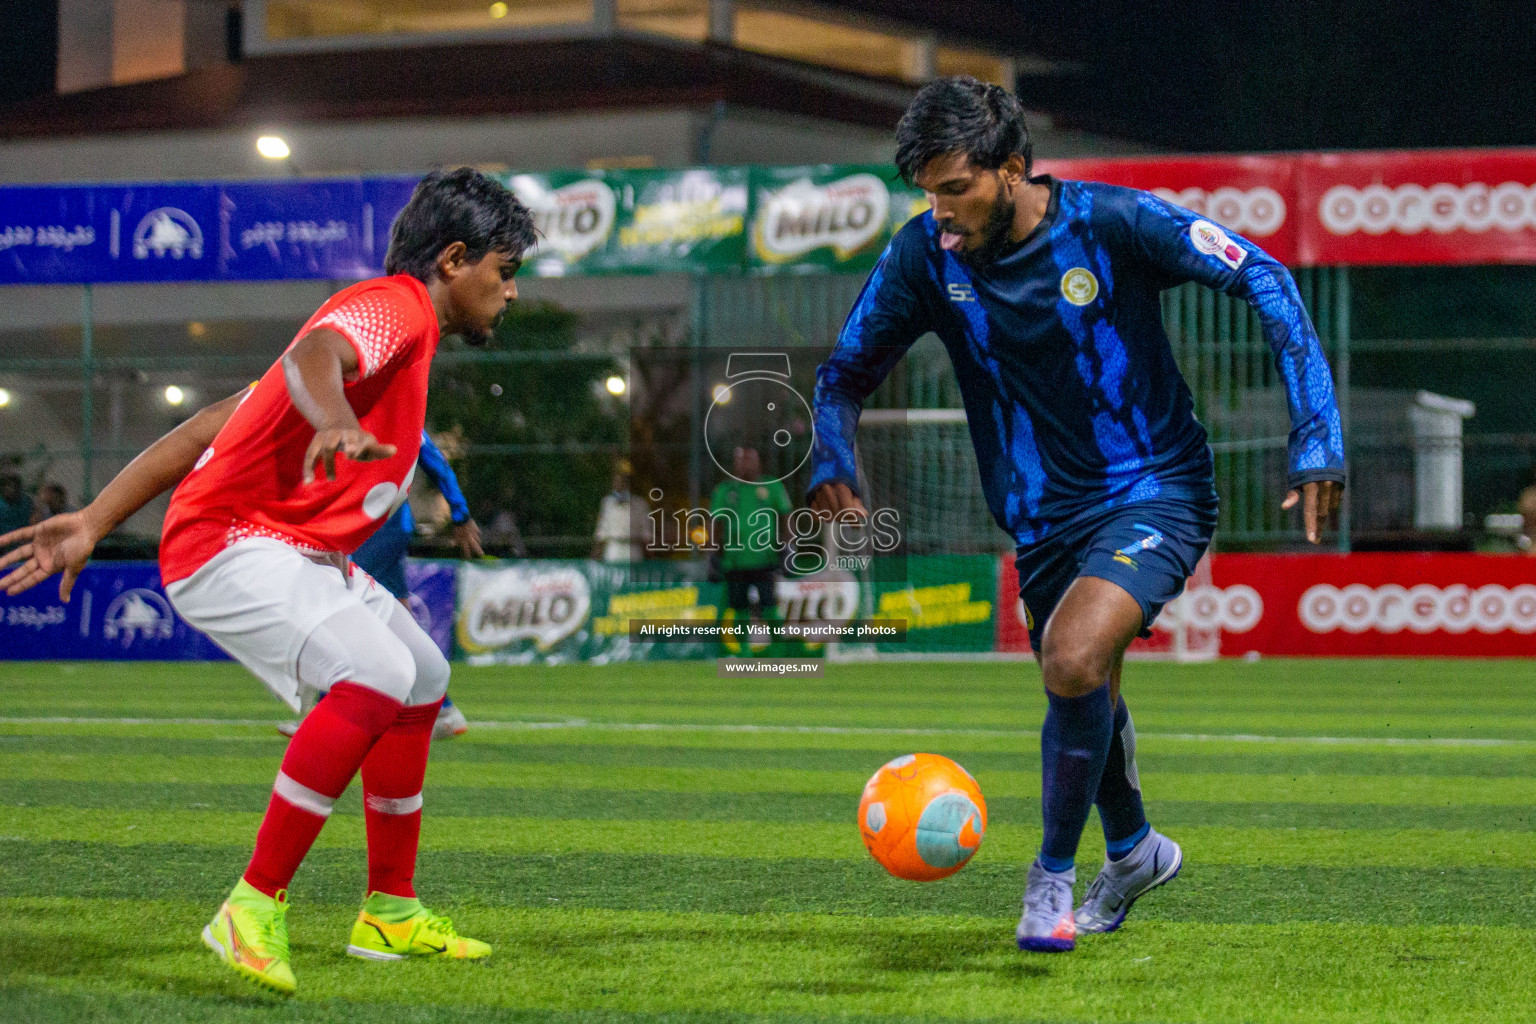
<point>1151,862</point>
<point>1047,925</point>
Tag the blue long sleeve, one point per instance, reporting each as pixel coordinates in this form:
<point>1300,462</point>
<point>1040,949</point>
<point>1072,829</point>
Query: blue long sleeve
<point>884,323</point>
<point>436,466</point>
<point>1315,448</point>
<point>1188,248</point>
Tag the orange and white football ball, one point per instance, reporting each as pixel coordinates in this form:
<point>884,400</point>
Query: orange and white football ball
<point>922,817</point>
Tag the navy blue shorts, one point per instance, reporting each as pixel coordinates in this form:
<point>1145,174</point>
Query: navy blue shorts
<point>382,556</point>
<point>1148,548</point>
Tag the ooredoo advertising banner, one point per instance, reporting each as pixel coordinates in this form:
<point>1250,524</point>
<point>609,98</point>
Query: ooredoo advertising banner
<point>1375,605</point>
<point>1251,195</point>
<point>1468,206</point>
<point>1388,605</point>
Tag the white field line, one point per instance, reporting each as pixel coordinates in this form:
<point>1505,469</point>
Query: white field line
<point>830,730</point>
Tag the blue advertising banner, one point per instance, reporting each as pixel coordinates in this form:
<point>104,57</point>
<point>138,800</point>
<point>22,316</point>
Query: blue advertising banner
<point>434,587</point>
<point>699,220</point>
<point>118,612</point>
<point>246,231</point>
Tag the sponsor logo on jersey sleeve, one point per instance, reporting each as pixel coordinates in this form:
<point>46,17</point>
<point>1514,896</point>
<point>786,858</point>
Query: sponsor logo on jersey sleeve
<point>1211,240</point>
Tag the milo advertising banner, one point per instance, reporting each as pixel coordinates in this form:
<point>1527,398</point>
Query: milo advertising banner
<point>574,213</point>
<point>948,604</point>
<point>560,611</point>
<point>828,217</point>
<point>714,219</point>
<point>679,221</point>
<point>636,222</point>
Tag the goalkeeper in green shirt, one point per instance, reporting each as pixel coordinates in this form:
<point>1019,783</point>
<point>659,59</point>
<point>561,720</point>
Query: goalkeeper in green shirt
<point>746,515</point>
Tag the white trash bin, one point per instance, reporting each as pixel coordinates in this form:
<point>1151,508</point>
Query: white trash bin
<point>1437,478</point>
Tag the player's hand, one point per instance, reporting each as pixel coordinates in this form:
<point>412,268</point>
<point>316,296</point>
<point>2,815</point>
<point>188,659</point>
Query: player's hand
<point>467,534</point>
<point>1319,501</point>
<point>829,500</point>
<point>61,543</point>
<point>353,442</point>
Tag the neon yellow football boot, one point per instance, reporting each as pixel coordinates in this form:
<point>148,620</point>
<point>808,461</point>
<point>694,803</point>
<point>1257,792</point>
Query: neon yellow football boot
<point>250,934</point>
<point>395,927</point>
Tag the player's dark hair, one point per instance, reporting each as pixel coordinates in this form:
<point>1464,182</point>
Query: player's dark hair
<point>961,115</point>
<point>457,206</point>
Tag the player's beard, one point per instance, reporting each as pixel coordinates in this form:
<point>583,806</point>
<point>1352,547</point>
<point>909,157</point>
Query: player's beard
<point>994,235</point>
<point>480,339</point>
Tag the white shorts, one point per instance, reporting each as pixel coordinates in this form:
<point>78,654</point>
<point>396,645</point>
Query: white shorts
<point>263,601</point>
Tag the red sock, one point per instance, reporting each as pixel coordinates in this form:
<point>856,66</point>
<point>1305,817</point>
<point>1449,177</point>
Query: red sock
<point>392,775</point>
<point>322,757</point>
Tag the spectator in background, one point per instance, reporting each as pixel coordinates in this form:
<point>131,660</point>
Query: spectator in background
<point>749,560</point>
<point>503,532</point>
<point>15,505</point>
<point>51,500</point>
<point>621,519</point>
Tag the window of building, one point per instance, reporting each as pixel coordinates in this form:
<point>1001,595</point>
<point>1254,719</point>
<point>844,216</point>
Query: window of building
<point>308,19</point>
<point>679,19</point>
<point>988,67</point>
<point>806,34</point>
<point>800,30</point>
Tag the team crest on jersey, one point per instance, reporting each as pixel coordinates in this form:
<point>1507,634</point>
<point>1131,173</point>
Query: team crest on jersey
<point>1079,286</point>
<point>1213,241</point>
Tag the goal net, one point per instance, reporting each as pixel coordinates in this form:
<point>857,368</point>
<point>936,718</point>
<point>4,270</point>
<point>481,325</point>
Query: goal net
<point>921,461</point>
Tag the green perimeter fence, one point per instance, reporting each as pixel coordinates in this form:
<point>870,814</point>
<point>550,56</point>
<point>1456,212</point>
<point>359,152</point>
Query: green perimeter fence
<point>1216,340</point>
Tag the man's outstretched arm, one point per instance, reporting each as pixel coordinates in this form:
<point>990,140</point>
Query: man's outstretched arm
<point>883,324</point>
<point>465,530</point>
<point>64,543</point>
<point>1188,248</point>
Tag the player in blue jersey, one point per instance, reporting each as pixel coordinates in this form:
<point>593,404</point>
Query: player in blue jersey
<point>1045,293</point>
<point>382,556</point>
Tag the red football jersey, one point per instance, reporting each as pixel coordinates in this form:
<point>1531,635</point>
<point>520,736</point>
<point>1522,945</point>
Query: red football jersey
<point>249,483</point>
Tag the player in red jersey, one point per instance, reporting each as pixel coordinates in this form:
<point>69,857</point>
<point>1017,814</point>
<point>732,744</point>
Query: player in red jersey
<point>277,485</point>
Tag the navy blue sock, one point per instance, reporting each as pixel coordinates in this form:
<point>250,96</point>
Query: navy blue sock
<point>1119,796</point>
<point>446,702</point>
<point>1073,745</point>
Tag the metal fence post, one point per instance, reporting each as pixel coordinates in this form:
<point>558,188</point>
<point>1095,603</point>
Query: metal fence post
<point>696,421</point>
<point>87,401</point>
<point>1341,298</point>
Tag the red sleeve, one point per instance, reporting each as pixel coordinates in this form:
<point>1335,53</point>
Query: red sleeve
<point>381,323</point>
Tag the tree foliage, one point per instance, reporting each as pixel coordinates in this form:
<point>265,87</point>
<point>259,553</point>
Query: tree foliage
<point>536,433</point>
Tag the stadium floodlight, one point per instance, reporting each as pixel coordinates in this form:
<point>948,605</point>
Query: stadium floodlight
<point>498,10</point>
<point>5,398</point>
<point>615,385</point>
<point>174,395</point>
<point>273,147</point>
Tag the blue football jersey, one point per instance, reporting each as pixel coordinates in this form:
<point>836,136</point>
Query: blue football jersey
<point>1074,399</point>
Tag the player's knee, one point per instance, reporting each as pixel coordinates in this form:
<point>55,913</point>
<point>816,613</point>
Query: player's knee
<point>1074,669</point>
<point>385,665</point>
<point>431,676</point>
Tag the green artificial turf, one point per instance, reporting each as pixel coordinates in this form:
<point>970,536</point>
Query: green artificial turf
<point>652,844</point>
